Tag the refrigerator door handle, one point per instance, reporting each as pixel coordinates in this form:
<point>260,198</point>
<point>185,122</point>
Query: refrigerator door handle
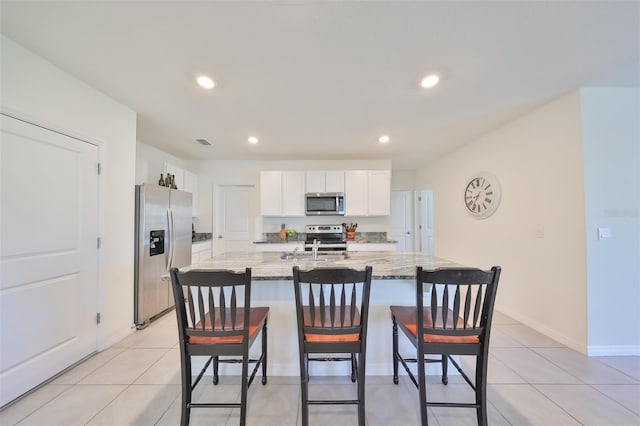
<point>171,238</point>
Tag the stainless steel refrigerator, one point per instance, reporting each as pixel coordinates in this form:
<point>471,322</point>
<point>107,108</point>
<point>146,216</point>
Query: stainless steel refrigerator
<point>162,241</point>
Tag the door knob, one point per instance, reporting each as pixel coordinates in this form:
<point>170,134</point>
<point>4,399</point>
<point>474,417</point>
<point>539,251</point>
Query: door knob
<point>219,237</point>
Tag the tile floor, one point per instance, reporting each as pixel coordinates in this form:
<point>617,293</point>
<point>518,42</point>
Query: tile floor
<point>533,380</point>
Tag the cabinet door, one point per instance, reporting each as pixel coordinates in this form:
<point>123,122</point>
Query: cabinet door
<point>271,193</point>
<point>170,169</point>
<point>379,192</point>
<point>315,182</point>
<point>191,185</point>
<point>293,189</point>
<point>334,181</point>
<point>356,192</point>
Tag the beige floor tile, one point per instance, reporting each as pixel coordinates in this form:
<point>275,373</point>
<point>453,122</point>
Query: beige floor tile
<point>270,405</point>
<point>151,337</point>
<point>393,405</point>
<point>331,415</point>
<point>137,405</point>
<point>500,339</point>
<point>76,406</point>
<point>81,371</point>
<point>125,367</point>
<point>204,392</point>
<point>532,367</point>
<point>524,405</point>
<point>500,318</point>
<point>150,359</point>
<point>629,365</point>
<point>165,371</point>
<point>588,406</point>
<point>588,370</point>
<point>497,371</point>
<point>627,395</point>
<point>30,403</point>
<point>528,336</point>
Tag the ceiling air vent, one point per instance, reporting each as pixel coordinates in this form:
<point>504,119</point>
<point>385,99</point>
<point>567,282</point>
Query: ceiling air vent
<point>203,142</point>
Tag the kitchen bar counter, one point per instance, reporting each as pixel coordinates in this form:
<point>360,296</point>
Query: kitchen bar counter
<point>393,284</point>
<point>270,265</point>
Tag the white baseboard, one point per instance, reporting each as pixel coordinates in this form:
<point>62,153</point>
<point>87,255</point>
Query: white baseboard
<point>613,350</point>
<point>541,328</point>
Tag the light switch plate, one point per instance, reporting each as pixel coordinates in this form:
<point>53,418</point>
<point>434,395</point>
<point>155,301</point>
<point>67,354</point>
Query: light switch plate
<point>604,233</point>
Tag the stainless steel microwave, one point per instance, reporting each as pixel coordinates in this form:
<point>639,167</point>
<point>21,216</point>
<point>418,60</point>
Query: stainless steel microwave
<point>324,203</point>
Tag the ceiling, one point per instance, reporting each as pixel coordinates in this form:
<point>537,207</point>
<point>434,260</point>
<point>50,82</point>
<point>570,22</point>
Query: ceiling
<point>323,80</point>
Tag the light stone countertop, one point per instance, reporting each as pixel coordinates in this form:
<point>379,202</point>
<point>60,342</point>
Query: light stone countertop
<point>270,266</point>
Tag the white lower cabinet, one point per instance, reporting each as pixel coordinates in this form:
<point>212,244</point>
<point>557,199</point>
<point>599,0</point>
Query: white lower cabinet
<point>201,252</point>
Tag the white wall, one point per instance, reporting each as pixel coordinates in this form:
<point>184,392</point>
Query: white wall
<point>538,161</point>
<point>611,140</point>
<point>37,90</point>
<point>150,163</point>
<point>247,172</point>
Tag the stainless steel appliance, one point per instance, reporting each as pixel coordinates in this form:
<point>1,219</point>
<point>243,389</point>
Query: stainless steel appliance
<point>162,241</point>
<point>324,203</point>
<point>326,237</point>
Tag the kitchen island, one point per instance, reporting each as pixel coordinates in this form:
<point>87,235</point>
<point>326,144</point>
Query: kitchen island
<point>393,284</point>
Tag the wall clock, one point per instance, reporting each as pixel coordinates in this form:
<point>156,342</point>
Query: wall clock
<point>482,195</point>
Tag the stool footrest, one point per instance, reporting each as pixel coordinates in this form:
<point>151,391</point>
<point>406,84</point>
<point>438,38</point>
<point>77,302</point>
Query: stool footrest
<point>333,402</point>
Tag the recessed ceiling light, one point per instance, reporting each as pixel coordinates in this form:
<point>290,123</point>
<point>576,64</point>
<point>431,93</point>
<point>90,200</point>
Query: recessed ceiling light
<point>253,140</point>
<point>384,139</point>
<point>205,82</point>
<point>430,81</point>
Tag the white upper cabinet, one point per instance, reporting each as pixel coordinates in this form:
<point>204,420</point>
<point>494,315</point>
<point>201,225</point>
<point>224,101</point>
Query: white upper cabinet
<point>379,192</point>
<point>271,193</point>
<point>282,193</point>
<point>315,182</point>
<point>293,189</point>
<point>331,181</point>
<point>356,192</point>
<point>334,181</point>
<point>367,193</point>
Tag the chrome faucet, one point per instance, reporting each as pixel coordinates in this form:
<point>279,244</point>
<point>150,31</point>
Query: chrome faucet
<point>314,249</point>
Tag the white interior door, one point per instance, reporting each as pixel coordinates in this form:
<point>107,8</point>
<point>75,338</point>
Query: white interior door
<point>234,223</point>
<point>48,254</point>
<point>402,219</point>
<point>424,219</point>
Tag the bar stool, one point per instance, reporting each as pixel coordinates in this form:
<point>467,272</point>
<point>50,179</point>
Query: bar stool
<point>217,320</point>
<point>332,309</point>
<point>455,321</point>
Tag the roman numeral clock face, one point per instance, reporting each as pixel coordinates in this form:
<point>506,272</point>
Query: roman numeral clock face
<point>482,195</point>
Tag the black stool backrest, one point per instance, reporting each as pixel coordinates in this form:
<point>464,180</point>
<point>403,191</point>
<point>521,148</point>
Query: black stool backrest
<point>457,293</point>
<point>217,302</point>
<point>329,298</point>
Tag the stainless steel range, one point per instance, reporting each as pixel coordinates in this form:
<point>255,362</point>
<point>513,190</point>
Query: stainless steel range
<point>326,238</point>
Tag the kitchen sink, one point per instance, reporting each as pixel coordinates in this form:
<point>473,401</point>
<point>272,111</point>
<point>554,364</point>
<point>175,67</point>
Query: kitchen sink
<point>308,256</point>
